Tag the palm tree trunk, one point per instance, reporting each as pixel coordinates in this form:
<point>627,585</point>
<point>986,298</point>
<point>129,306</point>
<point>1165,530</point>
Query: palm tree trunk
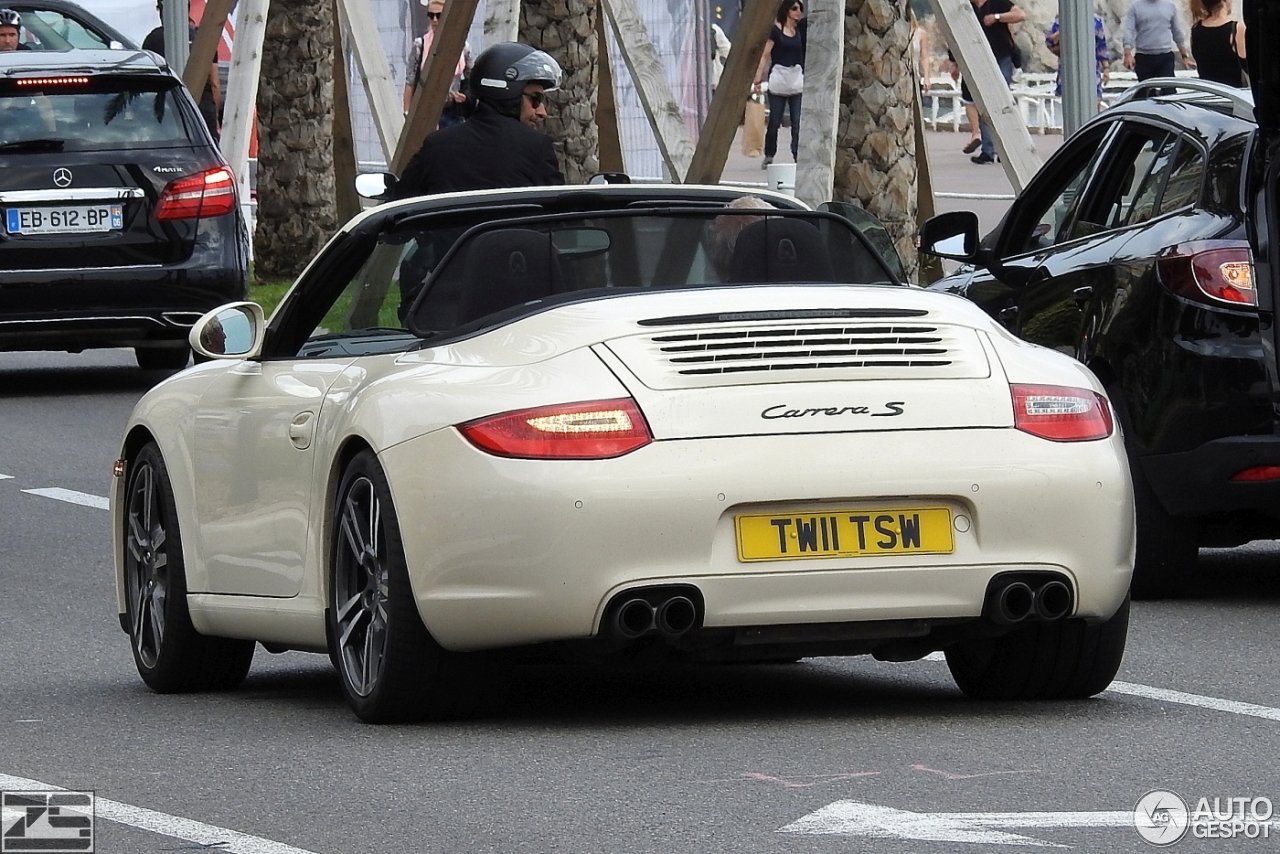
<point>566,29</point>
<point>875,135</point>
<point>297,209</point>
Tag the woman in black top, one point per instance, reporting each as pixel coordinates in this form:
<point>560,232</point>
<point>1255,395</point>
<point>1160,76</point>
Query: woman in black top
<point>784,59</point>
<point>1217,42</point>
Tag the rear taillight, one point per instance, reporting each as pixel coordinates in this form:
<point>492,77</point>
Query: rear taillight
<point>208,193</point>
<point>571,431</point>
<point>1215,272</point>
<point>1061,413</point>
<point>1257,474</point>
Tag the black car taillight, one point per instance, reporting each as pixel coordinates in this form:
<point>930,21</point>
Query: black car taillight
<point>1213,272</point>
<point>208,193</point>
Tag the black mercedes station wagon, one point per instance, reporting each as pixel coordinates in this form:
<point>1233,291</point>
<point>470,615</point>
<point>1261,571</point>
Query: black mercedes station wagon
<point>1142,248</point>
<point>119,220</point>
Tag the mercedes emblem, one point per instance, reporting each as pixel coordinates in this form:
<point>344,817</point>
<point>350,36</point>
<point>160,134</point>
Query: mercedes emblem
<point>62,177</point>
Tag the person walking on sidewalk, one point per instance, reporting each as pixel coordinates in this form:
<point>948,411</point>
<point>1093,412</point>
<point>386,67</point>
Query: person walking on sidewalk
<point>784,59</point>
<point>1217,42</point>
<point>1152,32</point>
<point>995,16</point>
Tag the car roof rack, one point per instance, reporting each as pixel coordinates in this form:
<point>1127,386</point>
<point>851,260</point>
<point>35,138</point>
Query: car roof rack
<point>1241,100</point>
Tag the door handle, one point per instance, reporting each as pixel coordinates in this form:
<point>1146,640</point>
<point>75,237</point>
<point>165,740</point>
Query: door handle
<point>1007,315</point>
<point>1082,294</point>
<point>302,429</point>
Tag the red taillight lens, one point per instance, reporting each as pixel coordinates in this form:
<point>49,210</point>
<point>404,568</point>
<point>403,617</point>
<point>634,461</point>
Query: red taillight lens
<point>1060,413</point>
<point>208,193</point>
<point>1257,473</point>
<point>573,431</point>
<point>1216,272</point>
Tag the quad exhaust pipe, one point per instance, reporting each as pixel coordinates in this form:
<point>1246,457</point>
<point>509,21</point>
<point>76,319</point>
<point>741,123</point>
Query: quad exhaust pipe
<point>1014,601</point>
<point>671,617</point>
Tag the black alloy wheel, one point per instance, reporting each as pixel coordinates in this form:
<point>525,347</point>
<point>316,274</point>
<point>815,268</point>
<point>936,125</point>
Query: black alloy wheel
<point>392,669</point>
<point>171,656</point>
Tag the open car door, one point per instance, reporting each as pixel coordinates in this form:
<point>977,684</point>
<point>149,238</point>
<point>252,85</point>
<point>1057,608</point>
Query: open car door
<point>1262,22</point>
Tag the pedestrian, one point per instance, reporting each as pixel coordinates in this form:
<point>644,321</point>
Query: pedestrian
<point>11,31</point>
<point>1101,53</point>
<point>784,60</point>
<point>970,108</point>
<point>454,111</point>
<point>210,102</point>
<point>720,47</point>
<point>498,146</point>
<point>1152,33</point>
<point>1217,42</point>
<point>995,16</point>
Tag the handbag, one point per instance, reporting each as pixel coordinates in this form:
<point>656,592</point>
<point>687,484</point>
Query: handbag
<point>786,80</point>
<point>753,128</point>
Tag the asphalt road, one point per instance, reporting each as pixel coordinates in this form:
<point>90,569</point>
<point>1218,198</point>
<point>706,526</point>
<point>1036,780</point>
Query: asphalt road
<point>828,755</point>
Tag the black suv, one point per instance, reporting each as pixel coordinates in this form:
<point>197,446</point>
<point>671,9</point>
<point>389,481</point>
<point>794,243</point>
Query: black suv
<point>119,220</point>
<point>1140,249</point>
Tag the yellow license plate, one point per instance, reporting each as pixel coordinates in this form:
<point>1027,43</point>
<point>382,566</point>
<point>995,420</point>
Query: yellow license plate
<point>844,533</point>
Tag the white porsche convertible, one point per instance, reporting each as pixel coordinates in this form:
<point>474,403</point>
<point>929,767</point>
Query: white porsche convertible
<point>610,421</point>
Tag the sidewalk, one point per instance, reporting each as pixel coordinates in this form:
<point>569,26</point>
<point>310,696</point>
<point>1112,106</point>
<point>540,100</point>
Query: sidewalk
<point>958,184</point>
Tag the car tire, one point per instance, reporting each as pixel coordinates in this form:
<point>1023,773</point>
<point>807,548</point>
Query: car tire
<point>390,667</point>
<point>1167,546</point>
<point>1066,659</point>
<point>162,358</point>
<point>171,656</point>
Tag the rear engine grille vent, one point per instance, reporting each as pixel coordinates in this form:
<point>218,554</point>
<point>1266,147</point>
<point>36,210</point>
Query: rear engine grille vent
<point>807,348</point>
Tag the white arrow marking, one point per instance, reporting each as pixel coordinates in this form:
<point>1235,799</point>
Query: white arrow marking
<point>175,827</point>
<point>854,818</point>
<point>71,496</point>
<point>6,477</point>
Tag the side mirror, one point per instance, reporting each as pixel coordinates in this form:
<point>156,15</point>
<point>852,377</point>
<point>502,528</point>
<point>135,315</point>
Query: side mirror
<point>951,235</point>
<point>376,185</point>
<point>232,331</point>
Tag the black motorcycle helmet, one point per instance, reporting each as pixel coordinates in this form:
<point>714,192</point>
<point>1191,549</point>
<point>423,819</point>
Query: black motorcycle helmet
<point>500,73</point>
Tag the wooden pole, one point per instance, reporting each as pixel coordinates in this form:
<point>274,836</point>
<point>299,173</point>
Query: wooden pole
<point>611,159</point>
<point>725,113</point>
<point>204,50</point>
<point>437,76</point>
<point>375,71</point>
<point>646,69</point>
<point>995,102</point>
<point>345,166</point>
<point>823,70</point>
<point>501,21</point>
<point>242,89</point>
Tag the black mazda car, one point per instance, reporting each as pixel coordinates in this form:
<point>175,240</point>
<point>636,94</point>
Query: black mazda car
<point>121,220</point>
<point>1143,247</point>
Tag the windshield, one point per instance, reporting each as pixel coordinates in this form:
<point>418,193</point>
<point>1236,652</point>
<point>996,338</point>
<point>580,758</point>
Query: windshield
<point>90,115</point>
<point>501,265</point>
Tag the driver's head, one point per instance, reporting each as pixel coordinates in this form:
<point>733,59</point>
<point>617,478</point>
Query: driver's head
<point>723,231</point>
<point>512,77</point>
<point>10,25</point>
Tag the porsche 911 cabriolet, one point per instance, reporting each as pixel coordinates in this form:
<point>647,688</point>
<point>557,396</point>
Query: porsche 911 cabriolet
<point>617,422</point>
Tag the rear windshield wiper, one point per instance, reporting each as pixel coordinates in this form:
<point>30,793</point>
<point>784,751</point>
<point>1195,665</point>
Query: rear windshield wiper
<point>34,145</point>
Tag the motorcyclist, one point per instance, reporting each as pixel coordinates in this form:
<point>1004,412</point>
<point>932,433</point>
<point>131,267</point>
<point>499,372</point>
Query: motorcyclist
<point>498,146</point>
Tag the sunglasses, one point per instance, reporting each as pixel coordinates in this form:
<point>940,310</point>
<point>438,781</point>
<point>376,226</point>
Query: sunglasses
<point>536,99</point>
<point>435,16</point>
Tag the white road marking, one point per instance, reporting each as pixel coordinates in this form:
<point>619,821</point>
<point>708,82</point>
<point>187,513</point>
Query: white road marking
<point>71,496</point>
<point>855,818</point>
<point>1234,707</point>
<point>6,477</point>
<point>175,827</point>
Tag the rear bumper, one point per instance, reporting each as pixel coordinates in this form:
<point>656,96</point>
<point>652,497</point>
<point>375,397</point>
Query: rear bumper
<point>1198,482</point>
<point>508,552</point>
